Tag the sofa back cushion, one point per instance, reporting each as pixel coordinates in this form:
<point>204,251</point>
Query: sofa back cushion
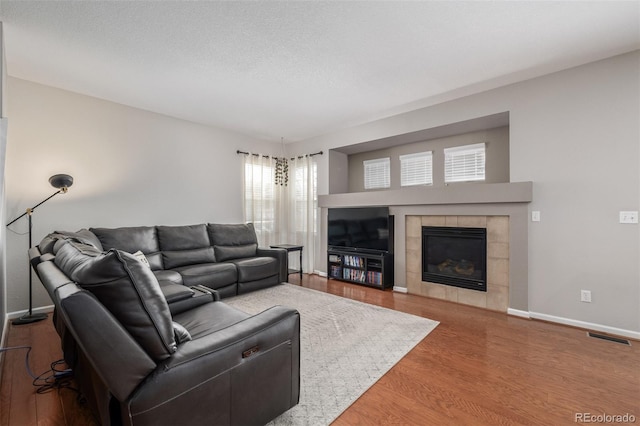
<point>127,288</point>
<point>233,241</point>
<point>185,245</point>
<point>132,239</point>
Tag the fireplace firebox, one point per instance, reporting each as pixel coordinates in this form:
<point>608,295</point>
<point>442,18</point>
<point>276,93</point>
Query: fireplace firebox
<point>455,256</point>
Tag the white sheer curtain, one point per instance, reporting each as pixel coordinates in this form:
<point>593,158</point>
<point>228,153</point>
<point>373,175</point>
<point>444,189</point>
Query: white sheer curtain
<point>302,202</point>
<point>262,198</point>
<point>284,209</point>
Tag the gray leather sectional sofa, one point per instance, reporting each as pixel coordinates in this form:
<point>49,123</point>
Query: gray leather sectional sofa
<point>147,336</point>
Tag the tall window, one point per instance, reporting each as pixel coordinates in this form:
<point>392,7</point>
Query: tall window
<point>260,203</point>
<point>304,194</point>
<point>377,173</point>
<point>416,169</point>
<point>282,210</point>
<point>464,163</point>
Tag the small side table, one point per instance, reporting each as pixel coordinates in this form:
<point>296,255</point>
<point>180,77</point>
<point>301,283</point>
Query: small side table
<point>289,248</point>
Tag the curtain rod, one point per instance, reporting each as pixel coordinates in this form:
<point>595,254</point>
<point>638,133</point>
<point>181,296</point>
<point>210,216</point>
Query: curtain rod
<point>266,156</point>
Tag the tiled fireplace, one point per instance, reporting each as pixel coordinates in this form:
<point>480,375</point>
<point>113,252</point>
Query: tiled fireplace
<point>496,296</point>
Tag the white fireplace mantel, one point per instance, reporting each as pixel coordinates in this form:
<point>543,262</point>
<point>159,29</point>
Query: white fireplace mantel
<point>462,193</point>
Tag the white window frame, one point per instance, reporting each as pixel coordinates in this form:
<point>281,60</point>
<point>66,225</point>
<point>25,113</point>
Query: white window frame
<point>465,163</point>
<point>416,169</point>
<point>377,173</point>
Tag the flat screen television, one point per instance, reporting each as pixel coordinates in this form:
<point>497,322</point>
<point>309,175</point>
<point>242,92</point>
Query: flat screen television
<point>360,228</point>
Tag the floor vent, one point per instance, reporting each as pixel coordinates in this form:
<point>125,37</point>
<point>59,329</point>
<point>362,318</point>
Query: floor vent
<point>609,338</point>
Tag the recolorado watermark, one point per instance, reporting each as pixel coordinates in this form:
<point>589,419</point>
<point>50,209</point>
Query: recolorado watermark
<point>604,418</point>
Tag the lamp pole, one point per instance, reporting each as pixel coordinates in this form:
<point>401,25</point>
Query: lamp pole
<point>63,182</point>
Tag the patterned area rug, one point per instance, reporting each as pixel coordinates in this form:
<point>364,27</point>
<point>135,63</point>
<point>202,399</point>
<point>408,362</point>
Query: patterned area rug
<point>346,346</point>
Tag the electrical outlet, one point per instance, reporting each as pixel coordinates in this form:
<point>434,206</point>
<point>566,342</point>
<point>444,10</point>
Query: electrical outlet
<point>585,296</point>
<point>628,217</point>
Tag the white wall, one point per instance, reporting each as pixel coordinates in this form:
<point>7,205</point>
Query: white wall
<point>131,167</point>
<point>576,135</point>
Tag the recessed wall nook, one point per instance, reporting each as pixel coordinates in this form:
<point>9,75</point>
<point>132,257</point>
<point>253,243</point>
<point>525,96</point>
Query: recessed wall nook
<point>496,206</point>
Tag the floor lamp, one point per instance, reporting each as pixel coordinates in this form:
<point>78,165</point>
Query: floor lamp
<point>62,182</point>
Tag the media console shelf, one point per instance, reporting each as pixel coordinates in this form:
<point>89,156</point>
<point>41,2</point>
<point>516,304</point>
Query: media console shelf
<point>371,269</point>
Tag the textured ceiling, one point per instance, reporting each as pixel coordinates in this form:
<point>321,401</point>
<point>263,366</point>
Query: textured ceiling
<point>295,70</point>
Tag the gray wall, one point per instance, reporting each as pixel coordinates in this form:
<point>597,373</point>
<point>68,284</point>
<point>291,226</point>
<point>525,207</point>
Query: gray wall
<point>496,154</point>
<point>575,134</point>
<point>131,167</point>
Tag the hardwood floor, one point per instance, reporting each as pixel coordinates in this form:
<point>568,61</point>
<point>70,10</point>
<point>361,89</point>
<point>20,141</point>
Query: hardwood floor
<point>477,367</point>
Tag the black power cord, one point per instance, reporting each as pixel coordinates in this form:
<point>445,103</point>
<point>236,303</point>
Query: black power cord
<point>57,377</point>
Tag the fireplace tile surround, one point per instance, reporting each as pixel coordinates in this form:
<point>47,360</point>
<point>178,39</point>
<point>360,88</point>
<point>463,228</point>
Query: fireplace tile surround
<point>497,295</point>
<point>472,205</point>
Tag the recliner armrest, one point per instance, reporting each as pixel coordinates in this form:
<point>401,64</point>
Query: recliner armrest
<point>279,321</point>
<point>283,260</point>
<point>194,296</point>
<point>219,353</point>
<point>175,292</point>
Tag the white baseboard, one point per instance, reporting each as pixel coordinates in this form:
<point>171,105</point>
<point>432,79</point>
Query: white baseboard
<point>399,289</point>
<point>40,310</point>
<point>576,323</point>
<point>587,325</point>
<point>322,274</point>
<point>518,313</point>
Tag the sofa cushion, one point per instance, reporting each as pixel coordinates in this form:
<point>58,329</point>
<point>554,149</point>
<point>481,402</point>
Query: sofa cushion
<point>183,237</point>
<point>256,268</point>
<point>209,318</point>
<point>185,245</point>
<point>131,239</point>
<point>175,259</point>
<point>229,234</point>
<point>169,277</point>
<point>235,252</point>
<point>127,288</point>
<point>142,258</point>
<point>233,241</point>
<point>212,275</point>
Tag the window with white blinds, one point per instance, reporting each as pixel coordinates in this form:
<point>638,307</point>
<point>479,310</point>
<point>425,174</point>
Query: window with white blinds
<point>416,169</point>
<point>377,173</point>
<point>464,163</point>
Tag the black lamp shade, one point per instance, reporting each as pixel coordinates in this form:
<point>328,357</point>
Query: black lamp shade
<point>61,181</point>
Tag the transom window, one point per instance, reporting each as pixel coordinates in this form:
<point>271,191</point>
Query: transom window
<point>464,163</point>
<point>416,169</point>
<point>377,173</point>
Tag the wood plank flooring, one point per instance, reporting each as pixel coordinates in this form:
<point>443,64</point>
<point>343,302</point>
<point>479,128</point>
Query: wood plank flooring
<point>477,368</point>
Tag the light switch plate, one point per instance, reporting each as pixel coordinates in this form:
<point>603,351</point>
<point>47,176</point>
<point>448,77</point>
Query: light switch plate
<point>535,216</point>
<point>628,217</point>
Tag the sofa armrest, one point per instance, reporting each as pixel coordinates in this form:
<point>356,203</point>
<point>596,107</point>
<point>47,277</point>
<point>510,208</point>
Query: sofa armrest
<point>215,294</point>
<point>198,296</point>
<point>36,257</point>
<point>283,260</point>
<point>175,292</point>
<point>116,357</point>
<point>235,357</point>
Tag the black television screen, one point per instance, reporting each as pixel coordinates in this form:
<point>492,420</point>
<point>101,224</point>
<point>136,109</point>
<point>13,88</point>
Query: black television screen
<point>360,228</point>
